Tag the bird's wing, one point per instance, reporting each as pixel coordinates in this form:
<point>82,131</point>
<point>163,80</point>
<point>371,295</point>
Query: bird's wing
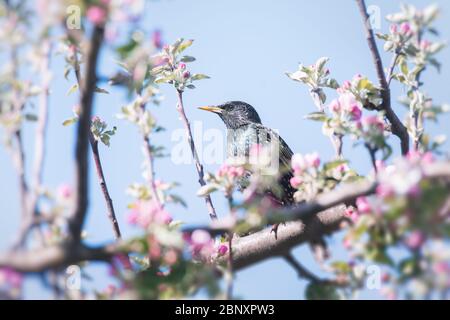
<point>285,153</point>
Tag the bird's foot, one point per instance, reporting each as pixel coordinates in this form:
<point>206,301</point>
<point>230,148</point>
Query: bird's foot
<point>275,229</point>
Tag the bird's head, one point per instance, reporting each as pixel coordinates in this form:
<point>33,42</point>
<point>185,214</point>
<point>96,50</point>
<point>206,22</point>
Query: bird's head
<point>235,113</point>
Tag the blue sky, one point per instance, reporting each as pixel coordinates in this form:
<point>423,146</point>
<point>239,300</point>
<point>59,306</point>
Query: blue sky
<point>245,47</point>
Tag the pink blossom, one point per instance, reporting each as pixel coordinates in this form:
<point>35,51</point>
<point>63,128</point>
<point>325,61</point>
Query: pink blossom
<point>132,217</point>
<point>346,85</point>
<point>441,267</point>
<point>157,39</point>
<point>414,191</point>
<point>298,163</point>
<point>146,212</point>
<point>428,158</point>
<point>425,44</point>
<point>96,15</point>
<point>65,191</point>
<point>200,237</point>
<point>230,172</point>
<point>186,74</point>
<point>352,214</point>
<point>171,257</point>
<point>355,112</point>
<point>182,66</point>
<point>96,119</point>
<point>384,190</point>
<point>313,159</point>
<point>222,249</point>
<point>11,277</point>
<point>373,122</point>
<point>415,240</point>
<point>393,28</point>
<point>296,182</point>
<point>363,205</point>
<point>405,28</point>
<point>201,244</point>
<point>347,243</point>
<point>335,106</point>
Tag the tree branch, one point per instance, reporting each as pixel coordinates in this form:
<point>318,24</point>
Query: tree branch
<point>198,165</point>
<point>98,165</point>
<point>322,217</point>
<point>83,130</point>
<point>398,128</point>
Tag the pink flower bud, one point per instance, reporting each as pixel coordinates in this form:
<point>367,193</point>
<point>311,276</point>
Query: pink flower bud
<point>355,112</point>
<point>351,213</point>
<point>96,15</point>
<point>157,39</point>
<point>222,250</point>
<point>346,85</point>
<point>200,237</point>
<point>182,66</point>
<point>186,74</point>
<point>296,182</point>
<point>425,44</point>
<point>441,267</point>
<point>415,240</point>
<point>393,28</point>
<point>405,28</point>
<point>298,163</point>
<point>171,257</point>
<point>384,191</point>
<point>335,106</point>
<point>65,191</point>
<point>313,160</point>
<point>363,205</point>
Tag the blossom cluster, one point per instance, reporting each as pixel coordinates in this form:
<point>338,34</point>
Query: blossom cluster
<point>171,66</point>
<point>311,179</point>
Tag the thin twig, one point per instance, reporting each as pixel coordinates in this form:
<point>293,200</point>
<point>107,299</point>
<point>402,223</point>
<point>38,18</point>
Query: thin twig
<point>147,147</point>
<point>301,270</point>
<point>397,126</point>
<point>98,165</point>
<point>104,187</point>
<point>198,165</point>
<point>390,72</point>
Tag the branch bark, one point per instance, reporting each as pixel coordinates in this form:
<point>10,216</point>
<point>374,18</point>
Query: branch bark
<point>322,217</point>
<point>398,128</point>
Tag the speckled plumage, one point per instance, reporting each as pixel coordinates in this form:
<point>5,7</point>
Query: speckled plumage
<point>245,130</point>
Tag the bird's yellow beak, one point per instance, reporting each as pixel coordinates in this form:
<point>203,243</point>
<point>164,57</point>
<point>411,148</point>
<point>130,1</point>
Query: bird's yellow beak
<point>211,109</point>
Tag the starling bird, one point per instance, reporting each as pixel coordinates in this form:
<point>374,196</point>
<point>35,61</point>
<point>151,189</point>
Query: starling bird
<point>244,131</point>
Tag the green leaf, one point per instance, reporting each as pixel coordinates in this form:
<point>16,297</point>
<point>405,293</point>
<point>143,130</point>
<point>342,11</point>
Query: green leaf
<point>206,190</point>
<point>184,45</point>
<point>67,72</point>
<point>70,121</point>
<point>382,36</point>
<point>404,67</point>
<point>72,89</point>
<point>100,90</point>
<point>187,59</point>
<point>317,116</point>
<point>334,164</point>
<point>321,63</point>
<point>31,117</point>
<point>199,76</point>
